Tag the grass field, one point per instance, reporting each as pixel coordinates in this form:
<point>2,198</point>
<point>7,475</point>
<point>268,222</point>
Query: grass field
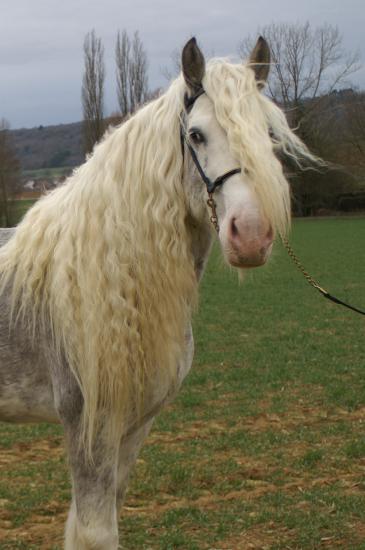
<point>40,173</point>
<point>19,209</point>
<point>264,447</point>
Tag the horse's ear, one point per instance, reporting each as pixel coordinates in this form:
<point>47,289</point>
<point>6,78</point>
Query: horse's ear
<point>193,65</point>
<point>260,61</point>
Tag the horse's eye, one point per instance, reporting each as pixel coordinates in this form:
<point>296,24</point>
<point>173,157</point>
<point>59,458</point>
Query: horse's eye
<point>196,137</point>
<point>272,135</point>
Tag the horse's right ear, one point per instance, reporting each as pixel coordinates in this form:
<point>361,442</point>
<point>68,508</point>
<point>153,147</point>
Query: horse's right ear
<point>193,65</point>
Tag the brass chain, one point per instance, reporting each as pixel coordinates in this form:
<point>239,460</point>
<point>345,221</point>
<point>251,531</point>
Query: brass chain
<point>300,266</point>
<point>313,282</point>
<point>213,207</point>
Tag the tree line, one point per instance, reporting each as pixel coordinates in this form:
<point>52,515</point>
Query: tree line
<point>309,78</point>
<point>9,174</point>
<point>309,66</point>
<point>131,77</point>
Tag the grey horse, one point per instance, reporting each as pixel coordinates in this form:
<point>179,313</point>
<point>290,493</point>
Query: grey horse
<point>248,199</point>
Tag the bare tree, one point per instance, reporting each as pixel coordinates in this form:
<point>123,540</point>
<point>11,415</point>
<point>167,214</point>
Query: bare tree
<point>122,58</point>
<point>9,173</point>
<point>138,80</point>
<point>172,71</point>
<point>132,79</point>
<point>307,63</point>
<point>93,90</point>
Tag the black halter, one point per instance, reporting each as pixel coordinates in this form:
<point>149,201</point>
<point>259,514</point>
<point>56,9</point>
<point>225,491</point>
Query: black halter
<point>210,185</point>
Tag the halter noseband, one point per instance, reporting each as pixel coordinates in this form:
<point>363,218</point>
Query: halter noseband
<point>210,185</point>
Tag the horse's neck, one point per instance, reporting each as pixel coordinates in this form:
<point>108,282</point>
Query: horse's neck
<point>201,243</point>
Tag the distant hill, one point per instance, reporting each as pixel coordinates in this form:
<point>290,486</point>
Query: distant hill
<point>49,146</point>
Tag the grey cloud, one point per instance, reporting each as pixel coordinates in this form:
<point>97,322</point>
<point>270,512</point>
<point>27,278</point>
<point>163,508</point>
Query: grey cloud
<point>41,42</point>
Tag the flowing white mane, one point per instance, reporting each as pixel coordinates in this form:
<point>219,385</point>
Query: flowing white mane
<point>105,261</point>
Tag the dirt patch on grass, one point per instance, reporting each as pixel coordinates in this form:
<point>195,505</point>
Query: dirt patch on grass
<point>292,473</point>
<point>298,414</point>
<point>43,530</point>
<point>257,537</point>
<point>44,527</point>
<point>208,500</point>
<point>195,430</point>
<point>32,451</point>
<point>254,489</point>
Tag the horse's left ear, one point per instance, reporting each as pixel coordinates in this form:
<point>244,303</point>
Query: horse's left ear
<point>193,65</point>
<point>260,61</point>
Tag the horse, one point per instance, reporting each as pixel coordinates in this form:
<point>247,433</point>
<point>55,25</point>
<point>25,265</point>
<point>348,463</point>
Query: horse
<point>99,281</point>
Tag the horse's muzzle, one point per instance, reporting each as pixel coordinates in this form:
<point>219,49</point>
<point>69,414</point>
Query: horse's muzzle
<point>246,246</point>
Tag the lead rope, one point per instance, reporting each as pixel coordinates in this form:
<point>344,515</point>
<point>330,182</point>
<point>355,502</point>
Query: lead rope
<point>312,281</point>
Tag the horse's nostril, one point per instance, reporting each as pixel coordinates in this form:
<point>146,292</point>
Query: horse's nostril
<point>234,229</point>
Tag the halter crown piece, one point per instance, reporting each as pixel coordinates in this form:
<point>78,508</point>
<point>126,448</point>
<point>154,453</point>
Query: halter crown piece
<point>210,185</point>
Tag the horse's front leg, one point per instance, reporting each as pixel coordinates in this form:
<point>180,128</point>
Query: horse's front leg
<point>132,443</point>
<point>92,522</point>
<point>129,449</point>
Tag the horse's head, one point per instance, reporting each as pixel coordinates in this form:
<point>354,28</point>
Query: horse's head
<point>223,152</point>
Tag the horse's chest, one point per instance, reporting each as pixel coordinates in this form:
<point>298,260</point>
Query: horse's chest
<point>164,391</point>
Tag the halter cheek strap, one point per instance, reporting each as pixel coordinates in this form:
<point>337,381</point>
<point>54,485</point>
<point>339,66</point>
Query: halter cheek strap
<point>210,185</point>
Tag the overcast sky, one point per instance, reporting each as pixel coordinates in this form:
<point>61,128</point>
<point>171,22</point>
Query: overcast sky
<point>41,59</point>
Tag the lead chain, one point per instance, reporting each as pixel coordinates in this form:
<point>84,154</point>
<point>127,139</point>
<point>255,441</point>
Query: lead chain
<point>213,207</point>
<point>300,266</point>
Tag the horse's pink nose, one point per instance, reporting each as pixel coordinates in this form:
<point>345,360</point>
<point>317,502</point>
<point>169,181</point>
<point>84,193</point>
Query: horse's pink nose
<point>249,244</point>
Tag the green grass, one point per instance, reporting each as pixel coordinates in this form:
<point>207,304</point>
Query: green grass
<point>19,208</point>
<point>265,445</point>
<point>47,172</point>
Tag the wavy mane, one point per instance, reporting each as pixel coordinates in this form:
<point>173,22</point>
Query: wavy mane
<point>104,262</point>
